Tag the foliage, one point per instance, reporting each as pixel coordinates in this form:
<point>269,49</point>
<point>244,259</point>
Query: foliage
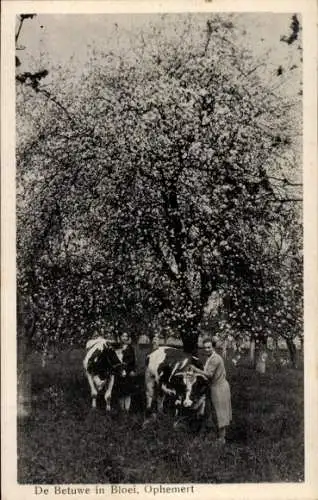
<point>162,177</point>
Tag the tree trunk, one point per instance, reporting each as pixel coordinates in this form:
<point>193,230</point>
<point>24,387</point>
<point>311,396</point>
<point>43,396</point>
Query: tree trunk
<point>24,396</point>
<point>260,366</point>
<point>292,352</point>
<point>24,393</point>
<point>252,352</point>
<point>189,332</point>
<point>190,343</point>
<point>261,356</point>
<point>224,349</point>
<point>23,381</point>
<point>258,351</point>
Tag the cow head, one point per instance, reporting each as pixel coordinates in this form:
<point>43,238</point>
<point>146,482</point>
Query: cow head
<point>190,387</point>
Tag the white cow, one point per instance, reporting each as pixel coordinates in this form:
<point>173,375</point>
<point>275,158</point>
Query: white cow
<point>102,365</point>
<point>170,372</point>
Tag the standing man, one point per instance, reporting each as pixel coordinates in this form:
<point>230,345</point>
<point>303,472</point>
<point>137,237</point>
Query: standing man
<point>220,392</point>
<point>125,385</point>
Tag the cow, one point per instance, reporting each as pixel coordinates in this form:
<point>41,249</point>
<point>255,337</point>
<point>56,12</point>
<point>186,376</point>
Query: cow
<point>172,373</point>
<point>101,366</point>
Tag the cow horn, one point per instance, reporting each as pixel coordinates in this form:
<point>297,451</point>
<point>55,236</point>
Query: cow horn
<point>178,374</point>
<point>202,376</point>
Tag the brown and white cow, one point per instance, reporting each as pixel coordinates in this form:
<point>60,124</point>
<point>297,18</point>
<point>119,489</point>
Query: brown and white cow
<point>102,365</point>
<point>170,372</point>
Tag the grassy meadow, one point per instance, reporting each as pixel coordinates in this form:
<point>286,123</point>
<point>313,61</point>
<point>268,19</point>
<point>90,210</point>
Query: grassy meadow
<point>64,441</point>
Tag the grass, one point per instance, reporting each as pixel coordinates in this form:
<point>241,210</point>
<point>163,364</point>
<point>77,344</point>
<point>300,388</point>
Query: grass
<point>64,441</point>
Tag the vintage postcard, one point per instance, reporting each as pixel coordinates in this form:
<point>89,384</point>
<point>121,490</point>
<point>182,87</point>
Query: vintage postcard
<point>159,249</point>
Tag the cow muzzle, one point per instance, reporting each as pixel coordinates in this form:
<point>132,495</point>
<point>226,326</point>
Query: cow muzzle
<point>187,403</point>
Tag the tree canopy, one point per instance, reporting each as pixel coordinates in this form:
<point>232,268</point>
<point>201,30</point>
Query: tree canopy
<point>164,176</point>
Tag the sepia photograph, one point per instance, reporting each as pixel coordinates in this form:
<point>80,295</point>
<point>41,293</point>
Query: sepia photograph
<point>159,232</point>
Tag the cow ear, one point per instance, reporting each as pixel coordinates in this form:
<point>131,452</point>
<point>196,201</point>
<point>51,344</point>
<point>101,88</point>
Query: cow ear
<point>202,377</point>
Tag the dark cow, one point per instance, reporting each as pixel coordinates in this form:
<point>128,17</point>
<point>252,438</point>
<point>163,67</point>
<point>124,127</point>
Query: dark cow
<point>102,365</point>
<point>171,372</point>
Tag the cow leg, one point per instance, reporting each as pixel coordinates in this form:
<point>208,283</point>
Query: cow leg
<point>150,415</point>
<point>108,392</point>
<point>150,391</point>
<point>201,408</point>
<point>177,407</point>
<point>177,416</point>
<point>93,389</point>
<point>163,393</point>
<point>160,401</point>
